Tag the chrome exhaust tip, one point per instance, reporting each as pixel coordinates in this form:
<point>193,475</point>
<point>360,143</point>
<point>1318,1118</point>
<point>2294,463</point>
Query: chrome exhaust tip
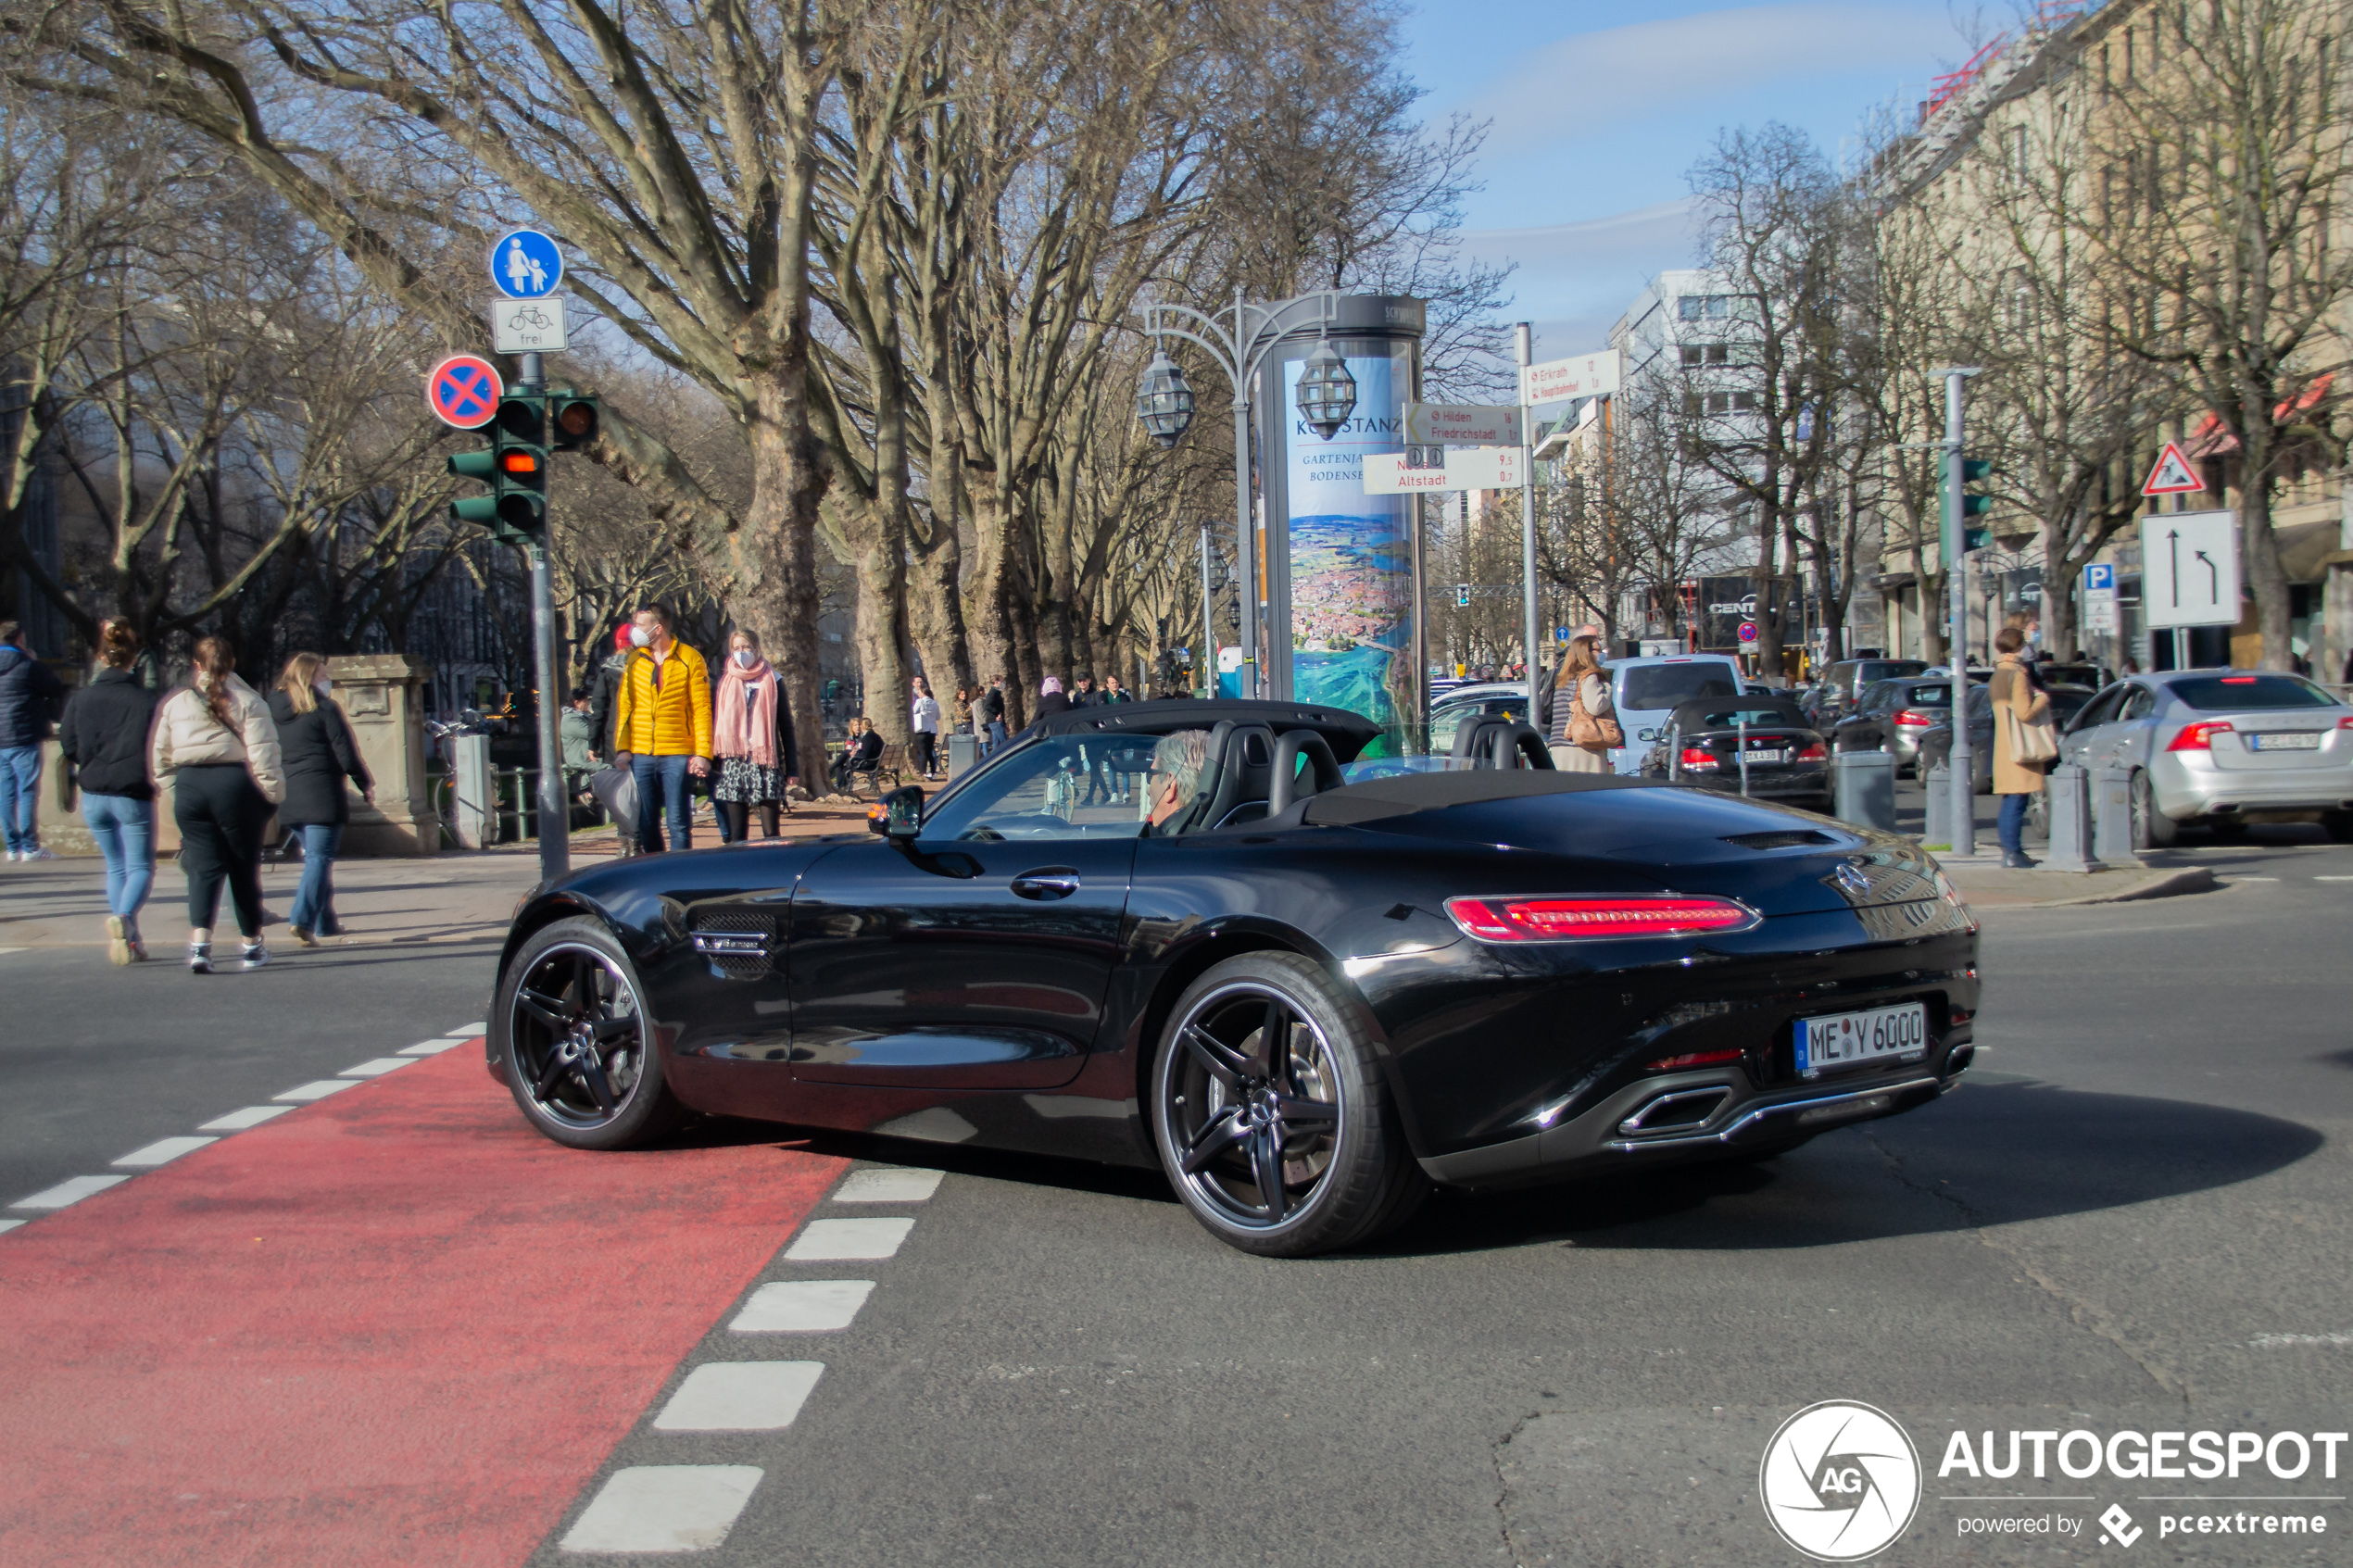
<point>1677,1111</point>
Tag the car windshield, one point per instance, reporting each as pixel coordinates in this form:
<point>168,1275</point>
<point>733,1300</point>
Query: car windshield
<point>1063,786</point>
<point>2220,694</point>
<point>1653,687</point>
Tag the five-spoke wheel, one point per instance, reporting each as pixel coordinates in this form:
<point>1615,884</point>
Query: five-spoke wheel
<point>1271,1119</point>
<point>579,1050</point>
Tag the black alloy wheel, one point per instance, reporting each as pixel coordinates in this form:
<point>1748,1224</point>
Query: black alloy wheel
<point>1273,1121</point>
<point>579,1056</point>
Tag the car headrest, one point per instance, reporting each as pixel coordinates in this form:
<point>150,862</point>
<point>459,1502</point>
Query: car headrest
<point>1496,741</point>
<point>1235,775</point>
<point>1285,785</point>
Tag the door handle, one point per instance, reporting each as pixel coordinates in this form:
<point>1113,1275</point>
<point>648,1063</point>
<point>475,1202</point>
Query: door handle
<point>1051,882</point>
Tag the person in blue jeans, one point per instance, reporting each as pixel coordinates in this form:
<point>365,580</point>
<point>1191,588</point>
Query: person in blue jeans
<point>105,739</point>
<point>319,753</point>
<point>29,697</point>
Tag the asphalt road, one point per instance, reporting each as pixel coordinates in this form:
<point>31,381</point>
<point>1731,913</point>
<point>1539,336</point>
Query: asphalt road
<point>2134,1216</point>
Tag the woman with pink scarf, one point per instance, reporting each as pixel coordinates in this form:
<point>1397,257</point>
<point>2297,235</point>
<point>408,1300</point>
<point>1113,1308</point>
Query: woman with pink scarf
<point>752,741</point>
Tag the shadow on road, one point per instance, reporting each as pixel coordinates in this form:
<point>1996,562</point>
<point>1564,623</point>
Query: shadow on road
<point>1992,1154</point>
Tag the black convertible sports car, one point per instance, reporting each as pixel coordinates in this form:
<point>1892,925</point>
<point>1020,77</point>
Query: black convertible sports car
<point>1759,746</point>
<point>1307,995</point>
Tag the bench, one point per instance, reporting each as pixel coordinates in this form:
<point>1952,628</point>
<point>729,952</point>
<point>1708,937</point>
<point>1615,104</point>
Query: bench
<point>892,762</point>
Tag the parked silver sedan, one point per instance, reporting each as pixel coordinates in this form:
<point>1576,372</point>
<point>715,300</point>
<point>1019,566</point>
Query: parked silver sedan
<point>2220,749</point>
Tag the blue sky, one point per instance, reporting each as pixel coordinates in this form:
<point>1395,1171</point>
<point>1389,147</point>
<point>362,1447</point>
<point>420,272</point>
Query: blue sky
<point>1599,113</point>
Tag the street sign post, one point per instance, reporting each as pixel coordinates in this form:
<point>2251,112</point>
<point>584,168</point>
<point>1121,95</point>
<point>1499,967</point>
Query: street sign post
<point>464,390</point>
<point>1461,424</point>
<point>528,326</point>
<point>2189,569</point>
<point>526,264</point>
<point>1467,467</point>
<point>2100,578</point>
<point>2173,475</point>
<point>2099,596</point>
<point>1580,375</point>
<point>1748,631</point>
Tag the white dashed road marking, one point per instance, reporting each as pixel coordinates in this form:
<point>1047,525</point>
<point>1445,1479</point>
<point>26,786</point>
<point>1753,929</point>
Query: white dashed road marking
<point>739,1396</point>
<point>830,1241</point>
<point>379,1066</point>
<point>163,1153</point>
<point>238,1120</point>
<point>10,1224</point>
<point>664,1508</point>
<point>2333,878</point>
<point>472,1031</point>
<point>802,1306</point>
<point>433,1047</point>
<point>72,1190</point>
<point>319,1090</point>
<point>888,1184</point>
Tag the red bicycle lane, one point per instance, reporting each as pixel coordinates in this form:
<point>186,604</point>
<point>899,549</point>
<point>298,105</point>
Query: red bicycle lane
<point>395,1326</point>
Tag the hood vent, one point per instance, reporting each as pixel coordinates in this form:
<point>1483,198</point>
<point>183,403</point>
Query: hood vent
<point>1781,838</point>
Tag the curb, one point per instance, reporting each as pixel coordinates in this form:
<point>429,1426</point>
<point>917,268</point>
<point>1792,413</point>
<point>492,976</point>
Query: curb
<point>2184,879</point>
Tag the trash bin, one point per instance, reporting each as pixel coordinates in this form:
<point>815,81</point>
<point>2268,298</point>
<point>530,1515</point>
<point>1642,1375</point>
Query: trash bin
<point>964,751</point>
<point>1867,789</point>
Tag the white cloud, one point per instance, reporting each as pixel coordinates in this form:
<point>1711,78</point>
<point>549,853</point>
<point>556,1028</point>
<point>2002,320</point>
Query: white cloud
<point>1576,90</point>
<point>1576,278</point>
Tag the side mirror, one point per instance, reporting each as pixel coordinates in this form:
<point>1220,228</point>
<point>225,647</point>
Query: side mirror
<point>898,814</point>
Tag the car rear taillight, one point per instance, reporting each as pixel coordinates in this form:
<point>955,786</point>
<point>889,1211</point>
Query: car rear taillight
<point>2199,737</point>
<point>1914,716</point>
<point>1816,752</point>
<point>1577,917</point>
<point>1698,761</point>
<point>2345,724</point>
<point>1695,1058</point>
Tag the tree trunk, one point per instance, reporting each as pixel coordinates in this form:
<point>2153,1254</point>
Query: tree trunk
<point>2260,547</point>
<point>936,610</point>
<point>881,567</point>
<point>773,556</point>
<point>2058,610</point>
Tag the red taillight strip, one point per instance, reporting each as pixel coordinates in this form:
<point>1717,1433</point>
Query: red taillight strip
<point>2199,737</point>
<point>1580,918</point>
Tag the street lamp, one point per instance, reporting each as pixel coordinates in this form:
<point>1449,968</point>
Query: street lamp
<point>1165,403</point>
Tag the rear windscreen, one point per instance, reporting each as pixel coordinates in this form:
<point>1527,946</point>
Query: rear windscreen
<point>1937,695</point>
<point>2220,694</point>
<point>1668,686</point>
<point>1730,717</point>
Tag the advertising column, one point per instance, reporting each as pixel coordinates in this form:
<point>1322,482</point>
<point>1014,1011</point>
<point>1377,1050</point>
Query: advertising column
<point>1340,594</point>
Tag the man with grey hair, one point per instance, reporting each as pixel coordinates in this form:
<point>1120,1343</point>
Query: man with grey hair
<point>1177,762</point>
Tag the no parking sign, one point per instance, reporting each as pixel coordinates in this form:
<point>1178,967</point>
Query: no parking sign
<point>463,390</point>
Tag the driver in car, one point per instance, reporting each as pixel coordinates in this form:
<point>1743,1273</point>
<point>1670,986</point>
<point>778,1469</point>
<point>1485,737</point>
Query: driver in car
<point>1178,761</point>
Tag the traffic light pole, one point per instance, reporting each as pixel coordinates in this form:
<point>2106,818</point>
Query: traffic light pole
<point>1962,766</point>
<point>555,805</point>
<point>1523,348</point>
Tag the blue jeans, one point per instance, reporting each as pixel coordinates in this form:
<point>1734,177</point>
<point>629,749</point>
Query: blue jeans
<point>20,797</point>
<point>314,905</point>
<point>997,737</point>
<point>125,830</point>
<point>660,779</point>
<point>2013,823</point>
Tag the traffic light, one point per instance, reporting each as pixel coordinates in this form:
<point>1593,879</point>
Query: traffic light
<point>1462,594</point>
<point>1974,470</point>
<point>573,419</point>
<point>515,467</point>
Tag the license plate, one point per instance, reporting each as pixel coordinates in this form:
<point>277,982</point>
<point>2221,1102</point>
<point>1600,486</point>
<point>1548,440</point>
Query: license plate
<point>1856,1039</point>
<point>1768,755</point>
<point>2285,740</point>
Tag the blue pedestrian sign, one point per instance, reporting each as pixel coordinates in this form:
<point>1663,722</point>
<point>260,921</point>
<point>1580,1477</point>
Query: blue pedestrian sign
<point>2100,578</point>
<point>526,264</point>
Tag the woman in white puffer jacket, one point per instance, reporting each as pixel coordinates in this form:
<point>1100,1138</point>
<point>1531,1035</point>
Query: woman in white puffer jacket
<point>216,743</point>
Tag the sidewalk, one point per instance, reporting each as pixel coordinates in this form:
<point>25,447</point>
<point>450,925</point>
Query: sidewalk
<point>1991,887</point>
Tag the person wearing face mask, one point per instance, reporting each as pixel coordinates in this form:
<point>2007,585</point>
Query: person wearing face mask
<point>661,727</point>
<point>752,739</point>
<point>318,752</point>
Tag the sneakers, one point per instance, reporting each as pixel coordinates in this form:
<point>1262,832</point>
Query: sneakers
<point>252,955</point>
<point>200,958</point>
<point>303,936</point>
<point>38,852</point>
<point>117,940</point>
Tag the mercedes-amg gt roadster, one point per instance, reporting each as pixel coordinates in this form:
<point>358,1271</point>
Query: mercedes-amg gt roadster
<point>1206,936</point>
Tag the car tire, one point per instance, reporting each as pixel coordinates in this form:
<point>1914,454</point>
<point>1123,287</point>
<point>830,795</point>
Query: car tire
<point>2152,829</point>
<point>2339,825</point>
<point>1313,1121</point>
<point>569,1024</point>
<point>2225,830</point>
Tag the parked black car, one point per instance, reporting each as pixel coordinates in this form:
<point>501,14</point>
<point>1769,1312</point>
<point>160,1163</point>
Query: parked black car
<point>1891,716</point>
<point>1934,745</point>
<point>1305,998</point>
<point>1834,696</point>
<point>1787,758</point>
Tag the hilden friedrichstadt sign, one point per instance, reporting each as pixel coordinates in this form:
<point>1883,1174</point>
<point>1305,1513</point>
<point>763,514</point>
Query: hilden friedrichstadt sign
<point>1461,424</point>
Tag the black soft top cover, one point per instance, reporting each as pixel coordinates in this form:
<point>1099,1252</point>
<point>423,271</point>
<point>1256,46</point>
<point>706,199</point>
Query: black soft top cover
<point>1406,793</point>
<point>1347,733</point>
<point>1717,713</point>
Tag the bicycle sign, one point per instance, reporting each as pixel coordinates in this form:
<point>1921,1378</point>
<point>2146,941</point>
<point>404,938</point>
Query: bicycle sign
<point>463,390</point>
<point>528,326</point>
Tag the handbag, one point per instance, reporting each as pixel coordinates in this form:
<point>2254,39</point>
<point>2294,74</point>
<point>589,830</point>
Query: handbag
<point>616,791</point>
<point>1588,730</point>
<point>2029,742</point>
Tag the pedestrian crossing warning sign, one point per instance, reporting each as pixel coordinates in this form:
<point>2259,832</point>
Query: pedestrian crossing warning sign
<point>2172,475</point>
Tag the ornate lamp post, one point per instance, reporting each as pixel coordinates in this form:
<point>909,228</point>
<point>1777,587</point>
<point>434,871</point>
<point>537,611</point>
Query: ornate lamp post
<point>1164,403</point>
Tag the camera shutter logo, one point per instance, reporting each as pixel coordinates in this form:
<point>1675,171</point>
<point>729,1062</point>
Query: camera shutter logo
<point>1840,1481</point>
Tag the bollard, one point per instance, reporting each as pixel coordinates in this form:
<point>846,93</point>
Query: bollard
<point>477,792</point>
<point>2112,817</point>
<point>1937,827</point>
<point>2069,804</point>
<point>1867,789</point>
<point>963,752</point>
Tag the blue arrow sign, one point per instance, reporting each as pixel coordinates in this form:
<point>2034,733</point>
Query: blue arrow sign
<point>526,264</point>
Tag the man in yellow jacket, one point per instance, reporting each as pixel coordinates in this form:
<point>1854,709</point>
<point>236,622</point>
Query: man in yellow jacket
<point>661,727</point>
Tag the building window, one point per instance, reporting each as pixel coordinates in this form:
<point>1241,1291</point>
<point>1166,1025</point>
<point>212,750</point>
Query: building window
<point>1691,405</point>
<point>2018,151</point>
<point>1691,356</point>
<point>1704,307</point>
<point>1744,402</point>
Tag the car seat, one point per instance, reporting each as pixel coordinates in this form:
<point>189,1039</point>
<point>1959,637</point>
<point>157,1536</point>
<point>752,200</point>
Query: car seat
<point>1285,785</point>
<point>1239,767</point>
<point>1495,741</point>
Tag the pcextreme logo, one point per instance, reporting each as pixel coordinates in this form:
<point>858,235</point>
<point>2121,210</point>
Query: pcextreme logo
<point>1840,1481</point>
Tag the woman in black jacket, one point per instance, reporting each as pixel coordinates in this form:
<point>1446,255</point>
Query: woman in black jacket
<point>320,754</point>
<point>104,736</point>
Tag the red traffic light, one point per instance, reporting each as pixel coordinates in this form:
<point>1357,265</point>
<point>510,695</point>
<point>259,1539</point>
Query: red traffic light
<point>518,462</point>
